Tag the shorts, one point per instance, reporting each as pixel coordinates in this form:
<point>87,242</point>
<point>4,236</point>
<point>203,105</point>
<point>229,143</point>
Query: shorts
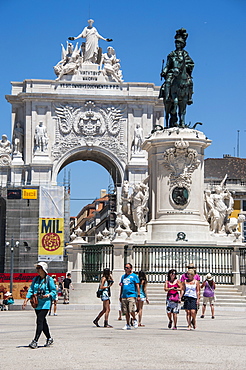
<point>66,293</point>
<point>105,298</point>
<point>143,299</point>
<point>190,303</point>
<point>209,300</point>
<point>128,305</point>
<point>172,307</point>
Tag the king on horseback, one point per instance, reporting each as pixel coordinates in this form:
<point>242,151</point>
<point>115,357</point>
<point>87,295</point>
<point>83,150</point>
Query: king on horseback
<point>177,89</point>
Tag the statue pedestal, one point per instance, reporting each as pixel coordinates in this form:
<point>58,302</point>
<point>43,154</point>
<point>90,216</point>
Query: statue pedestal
<point>17,159</point>
<point>41,157</point>
<point>87,73</point>
<point>176,170</point>
<point>138,167</point>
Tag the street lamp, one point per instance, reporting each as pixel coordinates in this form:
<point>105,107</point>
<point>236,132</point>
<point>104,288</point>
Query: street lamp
<point>12,246</point>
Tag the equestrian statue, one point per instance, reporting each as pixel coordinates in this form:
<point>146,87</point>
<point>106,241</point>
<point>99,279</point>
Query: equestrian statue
<point>177,89</point>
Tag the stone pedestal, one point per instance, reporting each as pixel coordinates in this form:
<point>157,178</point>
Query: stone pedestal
<point>5,172</point>
<point>138,167</point>
<point>17,172</point>
<point>176,170</point>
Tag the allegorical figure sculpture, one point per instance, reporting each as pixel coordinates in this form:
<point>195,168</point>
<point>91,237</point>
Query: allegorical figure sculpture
<point>137,139</point>
<point>218,207</point>
<point>5,145</point>
<point>125,198</point>
<point>41,138</point>
<point>139,199</point>
<point>69,63</point>
<point>18,138</point>
<point>111,65</point>
<point>177,89</point>
<point>91,52</point>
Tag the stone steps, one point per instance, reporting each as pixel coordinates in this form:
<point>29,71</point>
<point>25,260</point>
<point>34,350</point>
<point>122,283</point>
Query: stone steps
<point>226,295</point>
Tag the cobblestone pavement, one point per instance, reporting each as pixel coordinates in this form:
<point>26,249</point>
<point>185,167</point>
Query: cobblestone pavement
<point>78,344</point>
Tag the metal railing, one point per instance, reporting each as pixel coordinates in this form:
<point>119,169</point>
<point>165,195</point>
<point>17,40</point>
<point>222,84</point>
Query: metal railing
<point>157,261</point>
<point>95,258</point>
<point>242,266</point>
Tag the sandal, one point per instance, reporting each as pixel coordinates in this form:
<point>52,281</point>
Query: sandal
<point>141,325</point>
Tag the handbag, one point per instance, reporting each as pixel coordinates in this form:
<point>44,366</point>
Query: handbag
<point>174,297</point>
<point>99,293</point>
<point>34,301</point>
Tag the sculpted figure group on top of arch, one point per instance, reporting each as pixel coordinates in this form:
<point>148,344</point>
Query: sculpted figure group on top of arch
<point>89,53</point>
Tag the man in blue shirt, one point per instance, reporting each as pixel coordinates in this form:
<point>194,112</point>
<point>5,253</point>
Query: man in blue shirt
<point>129,292</point>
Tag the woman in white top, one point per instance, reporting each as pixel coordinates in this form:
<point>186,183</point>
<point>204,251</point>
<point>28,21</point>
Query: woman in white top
<point>191,293</point>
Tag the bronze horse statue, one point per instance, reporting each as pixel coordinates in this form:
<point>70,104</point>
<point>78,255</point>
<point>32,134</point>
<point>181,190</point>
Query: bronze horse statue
<point>177,89</point>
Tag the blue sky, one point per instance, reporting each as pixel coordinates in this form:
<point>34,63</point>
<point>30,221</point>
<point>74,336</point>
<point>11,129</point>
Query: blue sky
<point>143,33</point>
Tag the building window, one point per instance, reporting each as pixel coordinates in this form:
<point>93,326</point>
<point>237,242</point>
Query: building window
<point>244,205</point>
<point>244,231</point>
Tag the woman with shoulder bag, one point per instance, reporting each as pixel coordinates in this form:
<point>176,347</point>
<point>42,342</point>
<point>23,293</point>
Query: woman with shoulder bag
<point>44,289</point>
<point>172,287</point>
<point>105,284</point>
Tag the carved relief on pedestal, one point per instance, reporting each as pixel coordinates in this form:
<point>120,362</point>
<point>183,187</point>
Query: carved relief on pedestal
<point>182,162</point>
<point>89,125</point>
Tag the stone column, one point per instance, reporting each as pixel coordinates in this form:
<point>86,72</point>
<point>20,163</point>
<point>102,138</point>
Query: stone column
<point>119,252</point>
<point>236,266</point>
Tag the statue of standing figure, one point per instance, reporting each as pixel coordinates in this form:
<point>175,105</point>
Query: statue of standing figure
<point>41,138</point>
<point>137,139</point>
<point>177,89</point>
<point>139,200</point>
<point>18,138</point>
<point>91,52</point>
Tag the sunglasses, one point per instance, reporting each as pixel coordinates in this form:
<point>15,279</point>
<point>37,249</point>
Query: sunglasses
<point>38,268</point>
<point>127,268</point>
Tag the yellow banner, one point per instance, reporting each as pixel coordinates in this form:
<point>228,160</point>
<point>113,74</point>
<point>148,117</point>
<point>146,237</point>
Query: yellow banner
<point>29,193</point>
<point>51,237</point>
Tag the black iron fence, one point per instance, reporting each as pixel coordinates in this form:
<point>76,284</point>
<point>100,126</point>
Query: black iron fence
<point>242,265</point>
<point>157,261</point>
<point>95,258</point>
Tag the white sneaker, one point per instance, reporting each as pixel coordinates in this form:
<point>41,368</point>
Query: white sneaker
<point>135,324</point>
<point>127,327</point>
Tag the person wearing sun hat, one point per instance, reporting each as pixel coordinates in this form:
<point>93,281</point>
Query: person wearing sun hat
<point>185,275</point>
<point>208,294</point>
<point>44,287</point>
<point>8,300</point>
